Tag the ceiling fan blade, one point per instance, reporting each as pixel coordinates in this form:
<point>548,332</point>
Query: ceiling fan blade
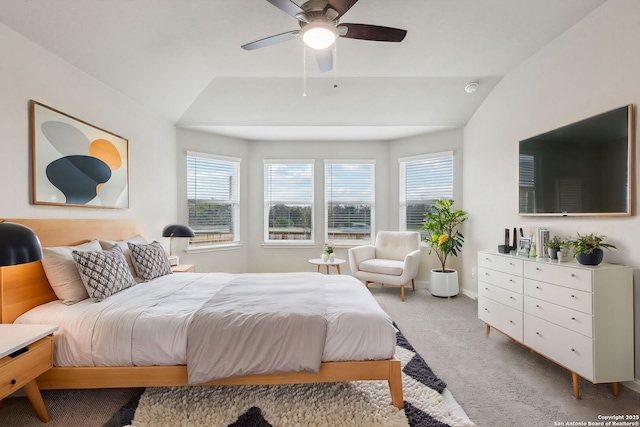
<point>287,6</point>
<point>324,57</point>
<point>341,6</point>
<point>372,32</point>
<point>268,41</point>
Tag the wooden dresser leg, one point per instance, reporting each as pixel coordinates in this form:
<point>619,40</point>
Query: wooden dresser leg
<point>615,389</point>
<point>488,328</point>
<point>576,385</point>
<point>34,396</point>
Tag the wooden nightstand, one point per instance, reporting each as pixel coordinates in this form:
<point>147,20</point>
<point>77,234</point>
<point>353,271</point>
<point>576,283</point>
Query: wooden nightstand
<point>26,351</point>
<point>183,268</point>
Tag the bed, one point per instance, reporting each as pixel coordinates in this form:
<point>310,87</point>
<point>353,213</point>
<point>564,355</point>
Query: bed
<point>25,289</point>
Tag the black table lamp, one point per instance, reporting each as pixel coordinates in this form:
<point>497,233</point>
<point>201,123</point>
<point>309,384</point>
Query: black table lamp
<point>177,230</point>
<point>18,244</point>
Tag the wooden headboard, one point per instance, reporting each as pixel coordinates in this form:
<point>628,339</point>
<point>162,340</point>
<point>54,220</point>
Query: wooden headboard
<point>25,286</point>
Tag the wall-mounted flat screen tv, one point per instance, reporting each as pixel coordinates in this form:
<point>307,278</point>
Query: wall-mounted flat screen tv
<point>580,169</point>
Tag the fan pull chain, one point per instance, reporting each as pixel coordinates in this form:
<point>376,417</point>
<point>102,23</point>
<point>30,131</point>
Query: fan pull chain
<point>335,64</point>
<point>304,70</point>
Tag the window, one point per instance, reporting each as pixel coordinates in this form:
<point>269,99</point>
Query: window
<point>423,180</point>
<point>288,201</point>
<point>213,193</point>
<point>349,195</point>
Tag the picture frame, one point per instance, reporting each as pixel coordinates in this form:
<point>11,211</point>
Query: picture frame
<point>75,163</point>
<point>524,246</point>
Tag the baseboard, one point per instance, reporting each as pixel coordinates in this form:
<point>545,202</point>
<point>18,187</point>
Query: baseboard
<point>633,385</point>
<point>470,294</point>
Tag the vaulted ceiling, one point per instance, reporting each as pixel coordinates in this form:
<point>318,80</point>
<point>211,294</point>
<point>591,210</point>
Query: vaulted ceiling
<point>183,61</point>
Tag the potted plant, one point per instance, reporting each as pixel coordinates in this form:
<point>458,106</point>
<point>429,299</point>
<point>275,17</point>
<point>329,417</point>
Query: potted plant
<point>564,254</point>
<point>329,252</point>
<point>588,248</point>
<point>443,238</point>
<point>553,246</point>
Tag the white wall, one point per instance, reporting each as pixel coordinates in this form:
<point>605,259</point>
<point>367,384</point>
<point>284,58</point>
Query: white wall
<point>592,68</point>
<point>29,72</point>
<point>253,256</point>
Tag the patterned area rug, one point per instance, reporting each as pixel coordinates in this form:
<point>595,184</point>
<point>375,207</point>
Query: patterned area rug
<point>357,403</point>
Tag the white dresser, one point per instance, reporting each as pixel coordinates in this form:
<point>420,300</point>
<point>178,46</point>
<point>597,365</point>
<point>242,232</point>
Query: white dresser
<point>579,316</point>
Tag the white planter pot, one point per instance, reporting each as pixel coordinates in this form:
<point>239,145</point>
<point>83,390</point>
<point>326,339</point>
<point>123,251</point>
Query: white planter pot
<point>443,284</point>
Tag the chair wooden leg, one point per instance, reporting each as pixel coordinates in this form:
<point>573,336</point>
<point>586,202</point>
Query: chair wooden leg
<point>402,292</point>
<point>366,283</point>
<point>413,285</point>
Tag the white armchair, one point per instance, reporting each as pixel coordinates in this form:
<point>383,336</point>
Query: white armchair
<point>393,259</point>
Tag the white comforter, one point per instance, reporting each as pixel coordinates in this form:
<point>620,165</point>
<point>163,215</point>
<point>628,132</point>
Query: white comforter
<point>148,323</point>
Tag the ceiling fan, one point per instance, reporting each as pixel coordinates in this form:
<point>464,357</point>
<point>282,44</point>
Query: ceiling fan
<point>320,26</point>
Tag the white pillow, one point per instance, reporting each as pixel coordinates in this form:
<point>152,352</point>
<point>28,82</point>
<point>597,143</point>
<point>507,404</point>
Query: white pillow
<point>62,273</point>
<point>137,239</point>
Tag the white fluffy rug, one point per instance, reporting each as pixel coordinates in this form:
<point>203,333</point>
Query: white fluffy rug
<point>359,403</point>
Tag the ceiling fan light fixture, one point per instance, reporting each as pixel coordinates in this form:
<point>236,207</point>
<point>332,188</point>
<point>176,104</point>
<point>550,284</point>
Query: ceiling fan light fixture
<point>319,34</point>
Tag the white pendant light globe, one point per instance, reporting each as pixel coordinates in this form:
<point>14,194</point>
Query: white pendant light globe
<point>319,34</point>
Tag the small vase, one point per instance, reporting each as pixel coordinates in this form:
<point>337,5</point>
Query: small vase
<point>553,253</point>
<point>594,258</point>
<point>325,257</point>
<point>332,257</point>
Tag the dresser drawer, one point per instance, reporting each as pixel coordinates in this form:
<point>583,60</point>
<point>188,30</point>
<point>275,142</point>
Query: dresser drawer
<point>498,278</point>
<point>503,296</point>
<point>571,277</point>
<point>571,349</point>
<point>25,367</point>
<point>505,264</point>
<point>500,316</point>
<point>570,319</point>
<point>565,297</point>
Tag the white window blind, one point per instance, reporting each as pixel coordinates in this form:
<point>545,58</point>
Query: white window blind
<point>349,201</point>
<point>423,180</point>
<point>213,193</point>
<point>288,201</point>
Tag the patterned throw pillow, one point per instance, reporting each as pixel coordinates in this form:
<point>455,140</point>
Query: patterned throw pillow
<point>150,261</point>
<point>103,273</point>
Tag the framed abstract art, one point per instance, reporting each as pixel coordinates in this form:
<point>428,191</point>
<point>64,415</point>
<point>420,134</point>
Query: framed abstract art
<point>75,163</point>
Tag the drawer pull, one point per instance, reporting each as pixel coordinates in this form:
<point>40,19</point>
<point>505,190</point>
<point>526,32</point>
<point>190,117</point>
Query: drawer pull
<point>573,275</point>
<point>512,322</point>
<point>487,259</point>
<point>512,281</point>
<point>538,269</point>
<point>486,274</point>
<point>486,309</point>
<point>573,349</point>
<point>573,296</point>
<point>486,289</point>
<point>573,318</point>
<point>537,287</point>
<point>537,333</point>
<point>512,297</point>
<point>537,305</point>
<point>13,382</point>
<point>511,264</point>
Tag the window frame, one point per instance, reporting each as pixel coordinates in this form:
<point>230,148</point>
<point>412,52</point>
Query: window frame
<point>234,200</point>
<point>267,163</point>
<point>402,196</point>
<point>349,242</point>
